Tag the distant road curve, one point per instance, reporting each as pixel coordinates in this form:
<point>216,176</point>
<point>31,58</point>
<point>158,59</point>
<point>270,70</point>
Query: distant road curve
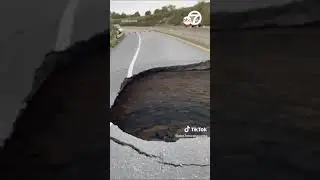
<point>199,36</point>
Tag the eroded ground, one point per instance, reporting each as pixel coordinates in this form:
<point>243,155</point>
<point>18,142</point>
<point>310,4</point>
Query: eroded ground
<point>160,103</point>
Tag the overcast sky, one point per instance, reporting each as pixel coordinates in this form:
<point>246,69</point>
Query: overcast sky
<point>131,6</point>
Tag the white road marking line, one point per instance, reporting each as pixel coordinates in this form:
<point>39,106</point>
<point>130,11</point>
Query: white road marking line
<point>66,26</point>
<point>133,61</point>
<point>134,57</point>
<point>187,42</point>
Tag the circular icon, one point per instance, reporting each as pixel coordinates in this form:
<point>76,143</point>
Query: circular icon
<point>195,17</point>
<point>187,129</point>
<point>187,20</point>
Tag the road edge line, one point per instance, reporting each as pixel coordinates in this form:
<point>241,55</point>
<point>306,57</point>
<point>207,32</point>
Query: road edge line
<point>185,41</point>
<point>130,70</point>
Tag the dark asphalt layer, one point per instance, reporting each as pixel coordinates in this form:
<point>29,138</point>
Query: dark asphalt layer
<point>130,158</point>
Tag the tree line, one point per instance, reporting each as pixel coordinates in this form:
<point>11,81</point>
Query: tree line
<point>164,9</point>
<point>169,15</point>
<point>173,16</point>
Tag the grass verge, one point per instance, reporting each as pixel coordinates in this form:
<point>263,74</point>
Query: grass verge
<point>114,40</point>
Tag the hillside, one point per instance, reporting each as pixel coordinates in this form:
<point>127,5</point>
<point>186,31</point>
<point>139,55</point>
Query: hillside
<point>167,15</point>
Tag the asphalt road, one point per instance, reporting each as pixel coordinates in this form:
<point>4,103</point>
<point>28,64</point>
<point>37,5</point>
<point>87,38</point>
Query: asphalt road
<point>140,51</point>
<point>32,28</point>
<point>29,30</point>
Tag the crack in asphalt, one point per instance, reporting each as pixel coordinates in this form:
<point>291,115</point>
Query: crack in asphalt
<point>154,156</point>
<point>134,148</point>
<point>181,165</point>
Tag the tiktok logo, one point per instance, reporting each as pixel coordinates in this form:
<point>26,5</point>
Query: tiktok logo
<point>187,129</point>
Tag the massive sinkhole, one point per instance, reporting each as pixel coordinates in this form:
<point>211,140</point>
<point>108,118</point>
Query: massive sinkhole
<point>160,103</point>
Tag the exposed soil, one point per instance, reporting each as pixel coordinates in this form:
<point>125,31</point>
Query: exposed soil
<point>160,103</point>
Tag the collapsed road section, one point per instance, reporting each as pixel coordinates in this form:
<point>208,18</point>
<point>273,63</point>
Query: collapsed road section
<point>159,103</point>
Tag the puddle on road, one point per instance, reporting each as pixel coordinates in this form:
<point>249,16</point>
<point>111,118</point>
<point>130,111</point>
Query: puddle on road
<point>165,104</point>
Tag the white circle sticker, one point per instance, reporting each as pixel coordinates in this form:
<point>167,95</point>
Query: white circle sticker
<point>194,18</point>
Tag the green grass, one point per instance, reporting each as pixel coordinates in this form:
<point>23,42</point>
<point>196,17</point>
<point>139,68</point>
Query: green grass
<point>113,42</point>
<point>113,39</point>
<point>173,17</point>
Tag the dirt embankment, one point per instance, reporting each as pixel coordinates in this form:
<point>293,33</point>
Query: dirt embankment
<point>266,104</point>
